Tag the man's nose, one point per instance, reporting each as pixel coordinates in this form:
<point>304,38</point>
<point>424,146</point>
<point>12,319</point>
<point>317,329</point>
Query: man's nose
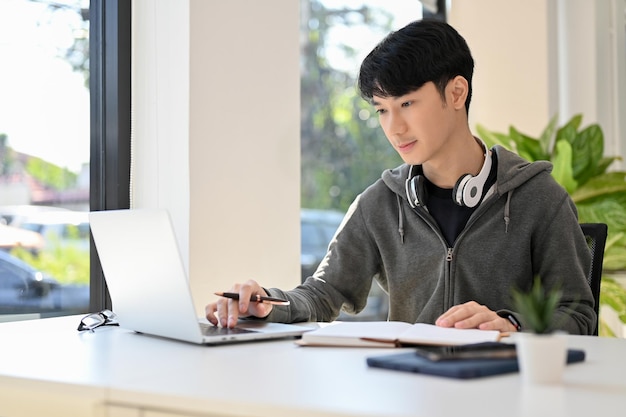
<point>396,125</point>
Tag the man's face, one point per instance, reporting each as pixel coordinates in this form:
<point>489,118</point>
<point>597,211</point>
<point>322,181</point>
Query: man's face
<point>417,124</point>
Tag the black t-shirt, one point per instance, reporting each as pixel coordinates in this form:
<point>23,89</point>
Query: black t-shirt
<point>451,217</point>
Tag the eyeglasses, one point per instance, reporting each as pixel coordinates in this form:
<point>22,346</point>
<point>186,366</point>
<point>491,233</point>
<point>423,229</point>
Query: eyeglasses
<point>94,320</point>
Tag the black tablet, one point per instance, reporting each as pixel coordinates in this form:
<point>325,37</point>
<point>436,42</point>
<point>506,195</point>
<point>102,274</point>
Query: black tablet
<point>462,368</point>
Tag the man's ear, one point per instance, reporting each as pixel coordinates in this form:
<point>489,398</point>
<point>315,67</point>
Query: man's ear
<point>459,89</point>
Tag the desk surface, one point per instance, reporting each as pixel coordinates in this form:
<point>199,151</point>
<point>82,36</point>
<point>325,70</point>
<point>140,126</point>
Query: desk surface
<point>279,378</point>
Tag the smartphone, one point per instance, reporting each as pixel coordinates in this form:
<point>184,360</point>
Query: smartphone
<point>486,350</point>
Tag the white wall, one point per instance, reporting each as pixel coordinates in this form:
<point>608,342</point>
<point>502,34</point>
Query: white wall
<point>511,75</point>
<point>217,135</point>
<point>244,143</point>
<point>160,106</point>
<point>539,58</point>
<point>592,66</point>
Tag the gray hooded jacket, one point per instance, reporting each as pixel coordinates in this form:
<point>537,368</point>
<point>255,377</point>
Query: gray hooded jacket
<point>526,226</point>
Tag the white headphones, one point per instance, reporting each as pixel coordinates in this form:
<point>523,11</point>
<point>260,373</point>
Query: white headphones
<point>415,189</point>
<point>467,191</point>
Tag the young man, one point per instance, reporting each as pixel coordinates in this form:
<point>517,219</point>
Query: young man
<point>452,231</point>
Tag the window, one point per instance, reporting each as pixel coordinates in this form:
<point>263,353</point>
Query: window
<point>343,149</point>
<point>44,148</point>
<point>64,134</point>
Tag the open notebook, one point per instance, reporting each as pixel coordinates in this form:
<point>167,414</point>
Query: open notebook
<point>394,334</point>
<point>148,284</point>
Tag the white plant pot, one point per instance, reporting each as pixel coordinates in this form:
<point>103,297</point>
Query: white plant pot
<point>541,358</point>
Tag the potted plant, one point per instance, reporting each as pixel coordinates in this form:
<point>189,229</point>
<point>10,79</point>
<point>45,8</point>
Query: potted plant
<point>541,351</point>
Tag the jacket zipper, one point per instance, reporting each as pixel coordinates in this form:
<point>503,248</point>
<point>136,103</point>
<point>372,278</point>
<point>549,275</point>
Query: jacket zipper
<point>450,250</point>
<point>449,254</point>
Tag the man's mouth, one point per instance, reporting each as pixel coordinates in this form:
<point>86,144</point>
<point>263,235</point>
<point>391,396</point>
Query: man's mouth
<point>406,147</point>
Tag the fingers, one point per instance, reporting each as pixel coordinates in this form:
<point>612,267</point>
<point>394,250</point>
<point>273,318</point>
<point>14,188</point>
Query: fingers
<point>498,323</point>
<point>472,315</point>
<point>209,312</point>
<point>218,314</point>
<point>465,316</point>
<point>225,311</point>
<point>456,314</point>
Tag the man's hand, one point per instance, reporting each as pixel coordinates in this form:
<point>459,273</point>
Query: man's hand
<point>225,312</point>
<point>472,315</point>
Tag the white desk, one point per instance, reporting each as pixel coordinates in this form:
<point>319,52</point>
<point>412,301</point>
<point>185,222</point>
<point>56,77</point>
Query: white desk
<point>49,369</point>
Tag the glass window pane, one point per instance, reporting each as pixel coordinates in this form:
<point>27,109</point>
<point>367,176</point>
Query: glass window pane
<point>343,149</point>
<point>44,156</point>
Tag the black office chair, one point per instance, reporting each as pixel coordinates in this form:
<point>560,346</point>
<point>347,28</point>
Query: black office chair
<point>596,234</point>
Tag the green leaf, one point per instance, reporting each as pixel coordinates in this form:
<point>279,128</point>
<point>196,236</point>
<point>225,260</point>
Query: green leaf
<point>573,124</point>
<point>546,137</point>
<point>529,146</point>
<point>600,186</point>
<point>492,138</point>
<point>537,306</point>
<point>604,163</point>
<point>613,294</point>
<point>615,259</point>
<point>562,162</point>
<point>587,151</point>
<point>610,242</point>
<point>608,210</point>
<point>567,133</point>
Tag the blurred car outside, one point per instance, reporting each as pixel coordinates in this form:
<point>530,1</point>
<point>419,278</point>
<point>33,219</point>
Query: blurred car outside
<point>317,229</point>
<point>14,237</point>
<point>64,228</point>
<point>24,289</point>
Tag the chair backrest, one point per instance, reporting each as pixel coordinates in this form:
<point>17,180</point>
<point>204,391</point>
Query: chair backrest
<point>596,234</point>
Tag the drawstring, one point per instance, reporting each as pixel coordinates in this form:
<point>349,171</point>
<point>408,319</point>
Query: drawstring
<point>507,211</point>
<point>400,219</point>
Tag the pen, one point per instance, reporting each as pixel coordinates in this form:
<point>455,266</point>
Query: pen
<point>256,298</point>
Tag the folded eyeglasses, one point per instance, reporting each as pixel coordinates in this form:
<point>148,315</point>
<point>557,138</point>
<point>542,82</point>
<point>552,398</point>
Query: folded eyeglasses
<point>94,320</point>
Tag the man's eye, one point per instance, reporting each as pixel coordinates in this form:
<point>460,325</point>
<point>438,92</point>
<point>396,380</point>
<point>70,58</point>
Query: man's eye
<point>406,103</point>
<point>381,111</point>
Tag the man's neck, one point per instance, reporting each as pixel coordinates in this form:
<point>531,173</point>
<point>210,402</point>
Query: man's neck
<point>464,157</point>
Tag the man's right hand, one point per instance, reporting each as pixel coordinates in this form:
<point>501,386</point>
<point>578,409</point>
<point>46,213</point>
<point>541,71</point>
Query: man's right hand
<point>225,312</point>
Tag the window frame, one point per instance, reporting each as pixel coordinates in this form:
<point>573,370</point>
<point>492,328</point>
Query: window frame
<point>110,125</point>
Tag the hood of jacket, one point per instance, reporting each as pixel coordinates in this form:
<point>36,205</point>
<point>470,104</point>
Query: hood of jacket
<point>513,171</point>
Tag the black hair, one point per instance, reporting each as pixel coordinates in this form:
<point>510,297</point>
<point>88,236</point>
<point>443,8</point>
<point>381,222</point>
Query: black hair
<point>422,51</point>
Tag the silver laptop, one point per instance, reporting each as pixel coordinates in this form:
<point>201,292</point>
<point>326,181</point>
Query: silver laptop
<point>148,284</point>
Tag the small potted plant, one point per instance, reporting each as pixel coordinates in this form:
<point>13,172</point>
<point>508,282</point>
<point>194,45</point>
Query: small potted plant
<point>541,351</point>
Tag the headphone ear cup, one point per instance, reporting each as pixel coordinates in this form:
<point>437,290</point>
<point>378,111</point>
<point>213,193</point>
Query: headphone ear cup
<point>459,188</point>
<point>468,190</point>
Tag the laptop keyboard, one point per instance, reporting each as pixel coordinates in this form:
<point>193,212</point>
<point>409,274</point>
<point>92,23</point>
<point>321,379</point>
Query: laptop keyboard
<point>211,330</point>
